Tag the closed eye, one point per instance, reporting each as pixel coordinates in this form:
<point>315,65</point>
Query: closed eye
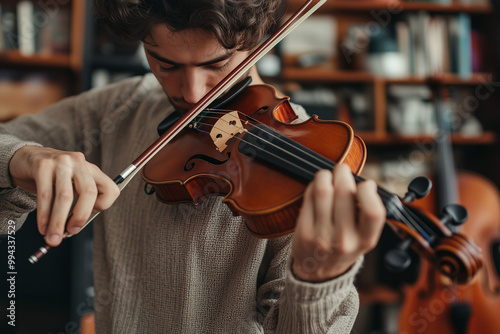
<point>169,68</point>
<point>217,67</point>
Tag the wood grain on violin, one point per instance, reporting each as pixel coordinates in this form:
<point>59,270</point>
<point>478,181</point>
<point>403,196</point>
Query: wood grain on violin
<point>266,165</point>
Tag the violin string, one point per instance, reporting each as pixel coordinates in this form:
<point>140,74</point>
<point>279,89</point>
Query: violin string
<point>431,234</point>
<point>271,134</point>
<point>253,145</point>
<point>391,205</point>
<point>313,166</point>
<point>419,224</point>
<point>400,209</point>
<point>407,218</point>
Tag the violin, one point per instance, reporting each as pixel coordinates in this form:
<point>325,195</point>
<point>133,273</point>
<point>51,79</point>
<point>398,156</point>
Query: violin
<point>250,153</point>
<point>255,158</point>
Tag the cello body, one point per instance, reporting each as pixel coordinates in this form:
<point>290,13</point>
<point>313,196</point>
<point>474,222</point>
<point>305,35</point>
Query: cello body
<point>436,304</point>
<point>430,303</point>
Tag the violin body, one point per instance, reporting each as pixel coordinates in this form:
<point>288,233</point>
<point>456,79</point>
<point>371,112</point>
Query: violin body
<point>196,164</point>
<point>435,304</point>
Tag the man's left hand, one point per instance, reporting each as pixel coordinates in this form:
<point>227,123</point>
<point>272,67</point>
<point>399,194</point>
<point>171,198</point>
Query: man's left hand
<point>339,221</point>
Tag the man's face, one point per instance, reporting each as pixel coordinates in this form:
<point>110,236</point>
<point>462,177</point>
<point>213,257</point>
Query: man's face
<point>188,64</point>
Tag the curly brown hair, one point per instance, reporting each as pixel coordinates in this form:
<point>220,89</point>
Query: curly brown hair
<point>235,23</point>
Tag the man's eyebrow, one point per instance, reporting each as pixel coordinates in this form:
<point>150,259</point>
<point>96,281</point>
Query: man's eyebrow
<point>205,63</point>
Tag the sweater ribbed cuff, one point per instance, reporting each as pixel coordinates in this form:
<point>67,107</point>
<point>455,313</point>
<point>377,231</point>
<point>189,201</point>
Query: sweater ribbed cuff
<point>8,146</point>
<point>302,291</point>
<point>326,307</point>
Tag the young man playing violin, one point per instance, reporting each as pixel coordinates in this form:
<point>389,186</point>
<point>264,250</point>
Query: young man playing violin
<point>181,268</point>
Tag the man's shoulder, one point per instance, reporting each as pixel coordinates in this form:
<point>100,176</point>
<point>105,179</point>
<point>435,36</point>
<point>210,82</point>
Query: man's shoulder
<point>300,111</point>
<point>126,93</point>
<point>136,84</point>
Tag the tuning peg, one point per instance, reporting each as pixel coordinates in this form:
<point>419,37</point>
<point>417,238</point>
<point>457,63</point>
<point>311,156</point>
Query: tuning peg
<point>398,259</point>
<point>419,187</point>
<point>454,215</point>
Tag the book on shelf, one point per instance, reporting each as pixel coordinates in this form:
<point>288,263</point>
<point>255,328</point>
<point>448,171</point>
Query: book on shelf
<point>27,30</point>
<point>8,27</point>
<point>55,34</point>
<point>35,28</point>
<point>477,48</point>
<point>1,28</point>
<point>463,51</point>
<point>312,47</point>
<point>436,44</point>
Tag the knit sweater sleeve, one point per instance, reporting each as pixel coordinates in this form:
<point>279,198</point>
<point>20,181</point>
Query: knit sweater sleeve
<point>293,306</point>
<point>74,124</point>
<point>54,127</point>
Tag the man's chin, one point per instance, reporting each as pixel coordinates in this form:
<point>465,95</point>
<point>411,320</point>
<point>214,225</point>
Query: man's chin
<point>182,109</point>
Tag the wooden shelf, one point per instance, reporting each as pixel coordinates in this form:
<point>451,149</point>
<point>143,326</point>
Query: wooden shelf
<point>324,75</point>
<point>372,138</point>
<point>49,60</point>
<point>446,79</point>
<point>327,75</point>
<point>72,61</point>
<point>395,6</point>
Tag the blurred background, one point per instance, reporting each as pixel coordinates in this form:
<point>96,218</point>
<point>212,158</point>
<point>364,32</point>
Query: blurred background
<point>417,80</point>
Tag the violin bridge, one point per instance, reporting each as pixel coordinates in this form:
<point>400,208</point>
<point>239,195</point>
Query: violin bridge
<point>226,128</point>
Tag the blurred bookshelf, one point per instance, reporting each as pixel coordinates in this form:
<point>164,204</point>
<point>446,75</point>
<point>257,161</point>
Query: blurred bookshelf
<point>42,61</point>
<point>40,42</point>
<point>46,40</point>
<point>375,65</point>
<point>424,40</point>
<point>108,59</point>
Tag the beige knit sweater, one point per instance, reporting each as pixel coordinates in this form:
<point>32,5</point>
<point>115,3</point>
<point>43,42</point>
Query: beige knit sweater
<point>170,268</point>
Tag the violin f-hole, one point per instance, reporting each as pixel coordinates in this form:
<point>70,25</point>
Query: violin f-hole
<point>261,110</point>
<point>207,158</point>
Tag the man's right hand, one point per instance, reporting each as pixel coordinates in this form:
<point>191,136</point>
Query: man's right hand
<point>57,177</point>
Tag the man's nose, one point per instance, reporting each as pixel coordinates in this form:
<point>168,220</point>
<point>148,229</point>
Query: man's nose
<point>194,85</point>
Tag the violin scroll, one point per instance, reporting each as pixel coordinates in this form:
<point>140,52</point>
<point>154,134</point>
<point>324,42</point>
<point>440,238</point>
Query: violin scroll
<point>458,258</point>
<point>454,255</point>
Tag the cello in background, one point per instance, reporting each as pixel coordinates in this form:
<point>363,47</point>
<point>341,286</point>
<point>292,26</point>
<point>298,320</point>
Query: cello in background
<point>434,304</point>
